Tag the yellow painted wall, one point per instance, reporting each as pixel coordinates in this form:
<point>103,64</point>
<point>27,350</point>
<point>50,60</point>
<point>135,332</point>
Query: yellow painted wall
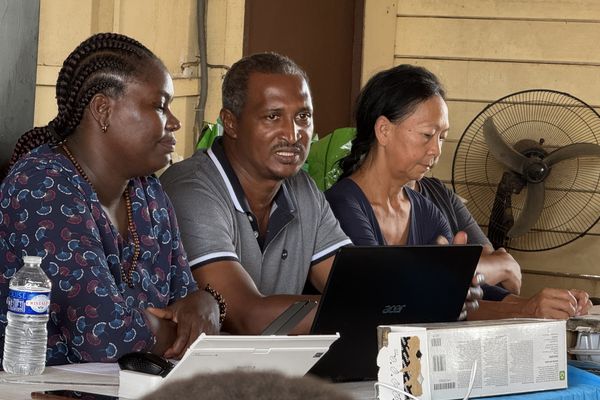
<point>167,27</point>
<point>483,50</point>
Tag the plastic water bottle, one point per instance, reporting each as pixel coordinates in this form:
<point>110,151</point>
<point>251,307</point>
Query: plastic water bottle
<point>26,332</point>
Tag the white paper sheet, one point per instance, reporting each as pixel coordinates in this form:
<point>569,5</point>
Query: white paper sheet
<point>109,369</point>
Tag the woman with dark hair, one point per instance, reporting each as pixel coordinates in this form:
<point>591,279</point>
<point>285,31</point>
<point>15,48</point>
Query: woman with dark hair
<point>401,123</point>
<point>86,201</point>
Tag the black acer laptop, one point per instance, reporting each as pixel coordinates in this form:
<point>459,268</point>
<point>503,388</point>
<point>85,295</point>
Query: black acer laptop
<point>383,285</point>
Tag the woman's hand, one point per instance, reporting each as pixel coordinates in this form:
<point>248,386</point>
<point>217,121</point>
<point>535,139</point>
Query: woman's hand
<point>556,304</point>
<point>193,314</point>
<point>459,238</point>
<point>499,266</point>
<point>474,294</point>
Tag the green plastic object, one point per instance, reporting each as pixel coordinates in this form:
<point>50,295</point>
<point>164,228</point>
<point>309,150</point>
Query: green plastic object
<point>324,155</point>
<point>209,133</point>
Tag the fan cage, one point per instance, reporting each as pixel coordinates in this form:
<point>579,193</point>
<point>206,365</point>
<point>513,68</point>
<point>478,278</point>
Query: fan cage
<point>553,119</point>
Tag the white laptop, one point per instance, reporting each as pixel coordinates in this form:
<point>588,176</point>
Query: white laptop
<point>291,355</point>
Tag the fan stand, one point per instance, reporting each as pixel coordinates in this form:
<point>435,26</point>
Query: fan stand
<point>501,218</point>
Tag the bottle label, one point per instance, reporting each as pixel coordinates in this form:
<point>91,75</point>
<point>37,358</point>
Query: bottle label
<point>31,303</point>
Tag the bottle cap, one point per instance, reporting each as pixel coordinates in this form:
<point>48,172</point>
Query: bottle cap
<point>32,260</point>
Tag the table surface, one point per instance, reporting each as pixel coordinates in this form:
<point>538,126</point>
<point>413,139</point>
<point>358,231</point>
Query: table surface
<point>14,387</point>
<point>582,385</point>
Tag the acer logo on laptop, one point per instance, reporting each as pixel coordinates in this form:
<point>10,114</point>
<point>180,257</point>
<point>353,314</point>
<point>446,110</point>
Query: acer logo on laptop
<point>393,309</point>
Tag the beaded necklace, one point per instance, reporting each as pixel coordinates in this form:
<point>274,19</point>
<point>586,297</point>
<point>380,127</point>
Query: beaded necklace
<point>126,277</point>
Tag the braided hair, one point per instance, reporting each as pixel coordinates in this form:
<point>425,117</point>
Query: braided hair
<point>103,63</point>
<point>394,93</point>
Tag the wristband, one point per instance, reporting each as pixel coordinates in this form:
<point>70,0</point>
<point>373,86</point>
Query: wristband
<point>220,300</point>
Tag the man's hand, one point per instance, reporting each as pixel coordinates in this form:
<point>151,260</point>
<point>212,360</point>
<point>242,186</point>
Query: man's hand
<point>557,304</point>
<point>194,314</point>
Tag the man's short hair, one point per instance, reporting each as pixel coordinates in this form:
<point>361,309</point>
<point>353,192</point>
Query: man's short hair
<point>236,385</point>
<point>235,83</point>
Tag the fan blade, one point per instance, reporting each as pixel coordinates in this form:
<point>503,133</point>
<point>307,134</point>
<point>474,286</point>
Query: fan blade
<point>573,151</point>
<point>534,204</point>
<point>500,149</point>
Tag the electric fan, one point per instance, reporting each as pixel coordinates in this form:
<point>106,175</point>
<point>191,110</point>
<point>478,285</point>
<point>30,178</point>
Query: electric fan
<point>529,167</point>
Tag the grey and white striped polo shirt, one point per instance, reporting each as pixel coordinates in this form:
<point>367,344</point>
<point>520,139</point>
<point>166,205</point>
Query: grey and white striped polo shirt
<point>216,223</point>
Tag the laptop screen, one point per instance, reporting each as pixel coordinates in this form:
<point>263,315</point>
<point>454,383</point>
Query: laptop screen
<point>382,285</point>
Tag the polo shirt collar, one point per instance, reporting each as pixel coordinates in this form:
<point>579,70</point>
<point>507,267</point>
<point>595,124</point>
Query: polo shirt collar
<point>217,154</point>
<point>283,210</point>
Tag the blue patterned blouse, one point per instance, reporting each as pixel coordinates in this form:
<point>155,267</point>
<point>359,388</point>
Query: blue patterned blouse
<point>48,209</point>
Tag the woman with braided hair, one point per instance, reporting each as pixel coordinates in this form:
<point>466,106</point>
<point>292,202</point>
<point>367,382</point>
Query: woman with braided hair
<point>81,194</point>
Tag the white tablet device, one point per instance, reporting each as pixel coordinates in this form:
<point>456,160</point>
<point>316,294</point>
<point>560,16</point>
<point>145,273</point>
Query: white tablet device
<point>291,355</point>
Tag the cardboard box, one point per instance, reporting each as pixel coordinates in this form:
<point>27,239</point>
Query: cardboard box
<point>435,361</point>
